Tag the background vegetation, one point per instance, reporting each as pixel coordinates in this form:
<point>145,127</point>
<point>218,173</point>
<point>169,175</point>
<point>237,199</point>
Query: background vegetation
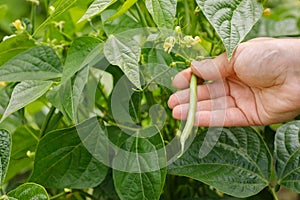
<point>47,155</point>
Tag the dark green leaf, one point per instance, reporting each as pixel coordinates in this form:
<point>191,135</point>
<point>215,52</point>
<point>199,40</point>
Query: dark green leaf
<point>163,12</point>
<point>38,63</point>
<point>5,143</point>
<point>96,8</point>
<point>142,165</point>
<point>25,93</point>
<point>24,139</point>
<point>287,154</point>
<point>231,19</point>
<point>61,98</point>
<point>83,51</point>
<point>239,164</point>
<point>62,161</point>
<point>29,191</point>
<point>13,46</point>
<point>125,53</point>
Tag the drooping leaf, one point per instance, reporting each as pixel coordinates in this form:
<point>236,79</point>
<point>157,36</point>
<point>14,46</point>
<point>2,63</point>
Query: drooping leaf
<point>81,49</point>
<point>62,161</point>
<point>38,63</point>
<point>29,191</point>
<point>13,46</point>
<point>239,164</point>
<point>78,87</point>
<point>287,154</point>
<point>5,144</point>
<point>163,12</point>
<point>24,139</point>
<point>143,166</point>
<point>231,19</point>
<point>125,53</point>
<point>25,93</point>
<point>60,7</point>
<point>126,6</point>
<point>96,8</point>
<point>61,98</point>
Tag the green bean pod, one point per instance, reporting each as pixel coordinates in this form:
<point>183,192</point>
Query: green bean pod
<point>191,114</point>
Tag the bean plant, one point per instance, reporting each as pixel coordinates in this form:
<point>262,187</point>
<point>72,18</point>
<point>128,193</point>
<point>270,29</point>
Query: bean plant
<point>84,86</point>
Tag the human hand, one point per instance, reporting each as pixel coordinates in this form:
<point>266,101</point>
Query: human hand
<point>260,85</point>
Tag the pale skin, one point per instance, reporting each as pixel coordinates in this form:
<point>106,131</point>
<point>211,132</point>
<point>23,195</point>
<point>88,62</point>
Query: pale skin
<point>260,85</point>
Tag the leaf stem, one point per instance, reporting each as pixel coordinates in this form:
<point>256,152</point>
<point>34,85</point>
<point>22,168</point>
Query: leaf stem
<point>274,193</point>
<point>46,121</point>
<point>191,114</point>
<point>58,195</point>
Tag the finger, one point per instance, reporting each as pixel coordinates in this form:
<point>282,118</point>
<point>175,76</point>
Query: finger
<point>181,111</point>
<point>226,117</point>
<point>182,79</point>
<point>213,69</point>
<point>204,92</point>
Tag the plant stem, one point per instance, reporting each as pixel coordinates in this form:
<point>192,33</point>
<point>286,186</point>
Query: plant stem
<point>274,193</point>
<point>58,195</point>
<point>33,17</point>
<point>191,114</point>
<point>46,121</point>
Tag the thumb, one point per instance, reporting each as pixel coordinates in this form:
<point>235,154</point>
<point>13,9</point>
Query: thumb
<point>213,69</point>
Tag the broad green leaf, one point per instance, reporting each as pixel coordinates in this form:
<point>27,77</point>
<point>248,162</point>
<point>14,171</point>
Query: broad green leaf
<point>96,8</point>
<point>62,161</point>
<point>141,172</point>
<point>231,19</point>
<point>13,46</point>
<point>29,191</point>
<point>25,93</point>
<point>60,7</point>
<point>83,51</point>
<point>239,164</point>
<point>125,53</point>
<point>24,139</point>
<point>287,154</point>
<point>38,63</point>
<point>126,6</point>
<point>5,144</point>
<point>163,12</point>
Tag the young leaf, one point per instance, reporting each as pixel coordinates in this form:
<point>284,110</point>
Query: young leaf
<point>81,49</point>
<point>231,19</point>
<point>29,191</point>
<point>126,6</point>
<point>96,8</point>
<point>287,154</point>
<point>239,164</point>
<point>62,161</point>
<point>142,166</point>
<point>125,54</point>
<point>5,144</point>
<point>38,63</point>
<point>25,93</point>
<point>163,12</point>
<point>14,46</point>
<point>60,7</point>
